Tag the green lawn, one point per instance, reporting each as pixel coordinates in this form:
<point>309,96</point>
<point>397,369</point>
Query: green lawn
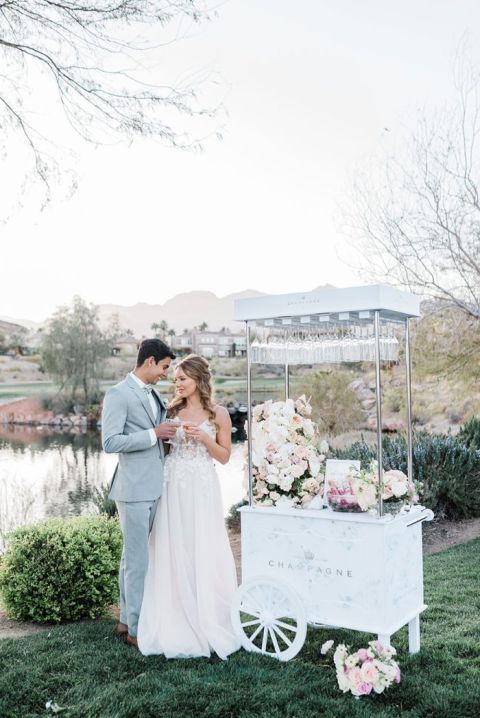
<point>82,668</point>
<point>261,385</point>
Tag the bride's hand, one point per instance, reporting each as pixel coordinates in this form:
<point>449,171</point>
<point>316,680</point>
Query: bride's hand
<point>195,433</point>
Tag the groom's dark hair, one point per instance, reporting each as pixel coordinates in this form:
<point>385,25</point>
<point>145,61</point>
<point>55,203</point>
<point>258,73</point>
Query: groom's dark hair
<point>153,348</point>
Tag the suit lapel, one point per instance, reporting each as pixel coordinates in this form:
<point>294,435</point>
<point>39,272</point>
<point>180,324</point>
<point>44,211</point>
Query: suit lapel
<point>143,398</point>
<point>163,408</point>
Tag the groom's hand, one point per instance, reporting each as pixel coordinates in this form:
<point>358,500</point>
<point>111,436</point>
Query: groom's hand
<point>166,430</point>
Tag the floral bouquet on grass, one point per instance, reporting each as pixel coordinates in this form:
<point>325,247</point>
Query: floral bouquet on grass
<point>359,490</point>
<point>366,670</point>
<point>287,467</point>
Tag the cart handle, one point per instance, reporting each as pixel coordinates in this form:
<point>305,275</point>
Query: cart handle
<point>426,515</point>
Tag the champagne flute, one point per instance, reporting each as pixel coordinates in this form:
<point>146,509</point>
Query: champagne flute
<point>176,421</point>
<point>188,424</point>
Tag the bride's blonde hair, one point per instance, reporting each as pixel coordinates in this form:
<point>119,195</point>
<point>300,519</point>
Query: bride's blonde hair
<point>198,369</point>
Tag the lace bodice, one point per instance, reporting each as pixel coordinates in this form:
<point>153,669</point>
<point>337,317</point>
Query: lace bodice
<point>184,448</point>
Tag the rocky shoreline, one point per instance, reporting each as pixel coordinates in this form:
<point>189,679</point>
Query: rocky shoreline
<point>27,412</point>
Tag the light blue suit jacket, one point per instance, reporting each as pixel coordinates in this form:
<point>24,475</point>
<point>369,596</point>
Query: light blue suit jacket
<point>126,422</point>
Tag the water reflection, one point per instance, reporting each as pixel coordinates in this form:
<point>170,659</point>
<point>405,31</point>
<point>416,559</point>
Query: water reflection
<point>54,473</point>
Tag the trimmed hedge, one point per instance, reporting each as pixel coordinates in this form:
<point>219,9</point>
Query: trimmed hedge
<point>448,470</point>
<point>61,569</point>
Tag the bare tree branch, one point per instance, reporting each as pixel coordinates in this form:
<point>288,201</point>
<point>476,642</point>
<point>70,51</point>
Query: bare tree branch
<point>416,221</point>
<point>94,56</point>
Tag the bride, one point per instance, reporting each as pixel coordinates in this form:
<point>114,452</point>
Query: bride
<point>191,575</point>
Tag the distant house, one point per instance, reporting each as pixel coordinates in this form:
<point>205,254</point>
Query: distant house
<point>126,346</point>
<point>211,344</point>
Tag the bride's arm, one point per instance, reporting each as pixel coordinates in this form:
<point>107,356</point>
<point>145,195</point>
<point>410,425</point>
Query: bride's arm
<point>219,448</point>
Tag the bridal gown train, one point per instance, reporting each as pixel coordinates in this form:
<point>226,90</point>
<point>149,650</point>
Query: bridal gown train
<point>191,577</point>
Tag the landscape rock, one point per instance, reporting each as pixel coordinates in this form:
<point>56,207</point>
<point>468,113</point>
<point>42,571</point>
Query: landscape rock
<point>389,423</point>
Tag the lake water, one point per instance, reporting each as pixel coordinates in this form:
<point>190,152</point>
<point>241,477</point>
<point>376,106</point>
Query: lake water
<point>45,473</point>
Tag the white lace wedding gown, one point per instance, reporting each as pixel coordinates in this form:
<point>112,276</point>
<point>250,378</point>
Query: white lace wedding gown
<point>191,575</point>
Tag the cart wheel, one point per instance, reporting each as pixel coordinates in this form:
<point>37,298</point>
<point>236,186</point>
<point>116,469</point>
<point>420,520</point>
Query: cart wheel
<point>269,618</point>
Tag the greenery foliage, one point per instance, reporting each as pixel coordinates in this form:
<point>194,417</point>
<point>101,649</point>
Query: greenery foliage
<point>75,348</point>
<point>336,408</point>
<point>88,673</point>
<point>105,506</point>
<point>233,517</point>
<point>61,569</point>
<point>448,470</point>
<point>469,434</point>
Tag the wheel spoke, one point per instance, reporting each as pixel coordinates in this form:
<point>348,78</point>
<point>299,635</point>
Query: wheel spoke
<point>280,609</point>
<point>259,601</point>
<point>285,625</point>
<point>251,611</point>
<point>251,623</point>
<point>275,642</point>
<point>254,599</point>
<point>264,639</point>
<point>282,635</point>
<point>255,633</point>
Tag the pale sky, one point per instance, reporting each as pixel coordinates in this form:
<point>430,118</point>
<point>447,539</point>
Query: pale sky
<point>309,86</point>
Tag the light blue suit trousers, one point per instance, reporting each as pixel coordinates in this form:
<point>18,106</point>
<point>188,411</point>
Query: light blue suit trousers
<point>136,520</point>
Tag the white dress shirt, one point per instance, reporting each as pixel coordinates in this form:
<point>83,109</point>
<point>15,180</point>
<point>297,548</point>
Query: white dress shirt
<point>153,404</point>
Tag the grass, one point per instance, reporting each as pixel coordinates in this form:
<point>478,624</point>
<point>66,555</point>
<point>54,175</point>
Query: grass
<point>37,389</point>
<point>84,670</point>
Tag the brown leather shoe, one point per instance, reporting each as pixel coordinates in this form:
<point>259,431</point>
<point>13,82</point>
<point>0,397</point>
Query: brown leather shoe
<point>132,641</point>
<point>121,630</point>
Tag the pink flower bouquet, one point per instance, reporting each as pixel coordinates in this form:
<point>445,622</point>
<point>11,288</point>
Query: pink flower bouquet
<point>366,670</point>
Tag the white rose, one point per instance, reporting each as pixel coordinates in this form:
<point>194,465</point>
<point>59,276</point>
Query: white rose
<point>285,483</point>
<point>298,470</point>
<point>340,655</point>
<point>308,427</point>
<point>310,485</point>
<point>398,488</point>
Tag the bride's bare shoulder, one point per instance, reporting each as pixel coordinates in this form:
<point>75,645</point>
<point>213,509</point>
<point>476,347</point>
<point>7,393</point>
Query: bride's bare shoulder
<point>221,414</point>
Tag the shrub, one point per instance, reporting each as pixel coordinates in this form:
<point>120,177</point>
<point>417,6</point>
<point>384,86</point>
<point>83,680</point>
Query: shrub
<point>233,517</point>
<point>469,434</point>
<point>103,503</point>
<point>61,569</point>
<point>57,403</point>
<point>336,408</point>
<point>448,470</point>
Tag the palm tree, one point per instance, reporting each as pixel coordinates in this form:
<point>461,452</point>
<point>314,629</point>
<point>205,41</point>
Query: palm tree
<point>160,329</point>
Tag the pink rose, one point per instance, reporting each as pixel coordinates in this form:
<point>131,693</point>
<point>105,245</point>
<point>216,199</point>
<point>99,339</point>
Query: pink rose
<point>369,672</point>
<point>362,654</point>
<point>355,676</point>
<point>397,675</point>
<point>363,689</point>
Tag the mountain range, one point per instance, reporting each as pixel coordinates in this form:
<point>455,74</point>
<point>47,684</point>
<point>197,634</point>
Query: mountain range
<point>182,311</point>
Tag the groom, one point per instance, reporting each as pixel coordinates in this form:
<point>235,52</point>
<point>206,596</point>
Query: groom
<point>133,427</point>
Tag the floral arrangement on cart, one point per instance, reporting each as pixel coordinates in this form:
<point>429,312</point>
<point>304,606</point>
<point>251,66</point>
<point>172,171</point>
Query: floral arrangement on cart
<point>288,468</point>
<point>359,490</point>
<point>288,465</point>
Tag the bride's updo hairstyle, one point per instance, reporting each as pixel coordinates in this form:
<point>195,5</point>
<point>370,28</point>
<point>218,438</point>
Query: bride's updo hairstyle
<point>198,369</point>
